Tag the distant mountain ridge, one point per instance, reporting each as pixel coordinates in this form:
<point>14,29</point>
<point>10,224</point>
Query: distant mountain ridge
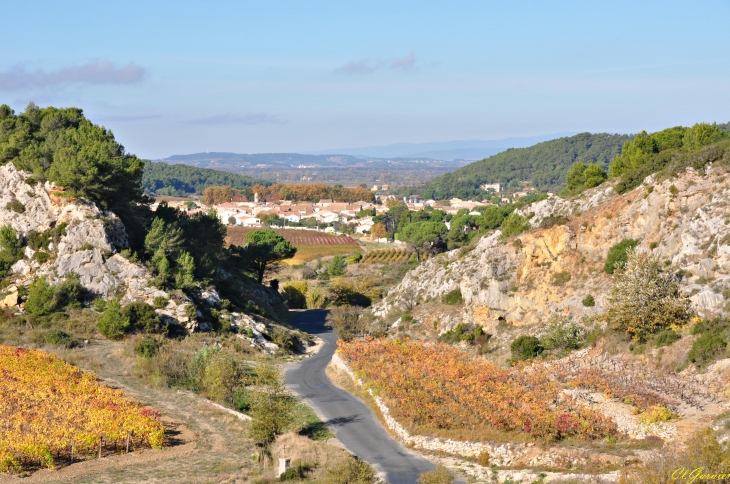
<point>442,150</point>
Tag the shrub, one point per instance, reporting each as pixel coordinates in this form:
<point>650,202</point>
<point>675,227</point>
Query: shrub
<point>337,266</point>
<point>525,347</point>
<point>41,297</point>
<point>58,338</point>
<point>618,255</point>
<point>453,298</point>
<point>147,348</point>
<point>347,322</point>
<point>112,323</point>
<point>294,294</point>
<point>656,413</point>
<point>271,408</point>
<point>220,377</point>
<point>41,256</point>
<point>706,349</point>
<point>645,299</point>
<point>483,458</point>
<point>350,471</point>
<point>315,298</point>
<point>589,301</point>
<point>70,293</point>
<point>514,224</point>
<point>560,278</point>
<point>666,338</point>
<point>160,302</point>
<point>354,258</point>
<point>15,205</point>
<point>563,333</point>
<point>440,475</point>
<point>143,318</point>
<point>291,474</point>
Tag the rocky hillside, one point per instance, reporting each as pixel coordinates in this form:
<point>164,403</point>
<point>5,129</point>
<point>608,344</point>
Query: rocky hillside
<point>685,220</point>
<point>88,243</point>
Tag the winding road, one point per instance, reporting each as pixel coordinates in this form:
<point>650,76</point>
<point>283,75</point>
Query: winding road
<point>346,415</point>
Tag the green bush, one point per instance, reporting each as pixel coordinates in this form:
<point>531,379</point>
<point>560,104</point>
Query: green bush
<point>290,474</point>
<point>666,338</point>
<point>589,301</point>
<point>70,293</point>
<point>337,266</point>
<point>563,333</point>
<point>514,224</point>
<point>41,256</point>
<point>15,205</point>
<point>706,349</point>
<point>58,338</point>
<point>41,297</point>
<point>160,302</point>
<point>242,400</point>
<point>453,298</point>
<point>147,348</point>
<point>525,347</point>
<point>112,323</point>
<point>560,278</point>
<point>142,318</point>
<point>618,255</point>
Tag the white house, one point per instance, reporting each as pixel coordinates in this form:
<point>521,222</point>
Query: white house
<point>251,222</point>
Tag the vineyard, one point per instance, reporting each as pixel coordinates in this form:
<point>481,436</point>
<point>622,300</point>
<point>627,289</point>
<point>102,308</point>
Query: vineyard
<point>310,244</point>
<point>381,256</point>
<point>51,411</point>
<point>436,388</point>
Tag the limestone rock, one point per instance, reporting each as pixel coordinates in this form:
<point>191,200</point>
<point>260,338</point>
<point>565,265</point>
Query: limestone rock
<point>514,279</point>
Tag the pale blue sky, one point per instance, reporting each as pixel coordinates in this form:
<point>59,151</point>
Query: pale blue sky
<point>270,76</point>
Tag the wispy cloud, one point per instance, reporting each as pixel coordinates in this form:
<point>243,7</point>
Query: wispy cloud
<point>140,117</point>
<point>91,73</point>
<point>247,118</point>
<point>407,62</point>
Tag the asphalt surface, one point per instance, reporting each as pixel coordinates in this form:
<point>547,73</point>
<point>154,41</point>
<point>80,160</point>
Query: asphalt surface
<point>348,417</point>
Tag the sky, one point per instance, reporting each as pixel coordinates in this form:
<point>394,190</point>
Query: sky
<point>273,76</point>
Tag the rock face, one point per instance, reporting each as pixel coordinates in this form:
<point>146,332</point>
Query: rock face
<point>89,247</point>
<point>685,221</point>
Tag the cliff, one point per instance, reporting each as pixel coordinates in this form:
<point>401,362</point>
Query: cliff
<point>685,220</point>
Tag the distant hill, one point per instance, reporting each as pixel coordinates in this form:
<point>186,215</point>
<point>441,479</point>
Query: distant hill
<point>442,150</point>
<point>182,180</point>
<point>545,164</point>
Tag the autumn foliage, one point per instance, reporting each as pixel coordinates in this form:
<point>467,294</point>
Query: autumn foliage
<point>438,387</point>
<point>47,406</point>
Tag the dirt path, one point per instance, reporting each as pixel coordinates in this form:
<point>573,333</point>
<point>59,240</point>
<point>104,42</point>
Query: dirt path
<point>207,444</point>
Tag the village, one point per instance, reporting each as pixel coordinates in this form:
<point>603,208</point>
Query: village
<point>334,217</point>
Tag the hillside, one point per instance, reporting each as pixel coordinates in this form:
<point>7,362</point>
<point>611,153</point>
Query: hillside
<point>544,164</point>
<point>182,180</point>
<point>550,286</point>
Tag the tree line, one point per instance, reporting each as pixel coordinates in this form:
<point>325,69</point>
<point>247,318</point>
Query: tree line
<point>295,192</point>
<point>182,180</point>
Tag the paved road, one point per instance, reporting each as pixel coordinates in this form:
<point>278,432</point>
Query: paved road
<point>346,415</point>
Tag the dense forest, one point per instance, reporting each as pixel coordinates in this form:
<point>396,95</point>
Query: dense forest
<point>183,180</point>
<point>544,164</point>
